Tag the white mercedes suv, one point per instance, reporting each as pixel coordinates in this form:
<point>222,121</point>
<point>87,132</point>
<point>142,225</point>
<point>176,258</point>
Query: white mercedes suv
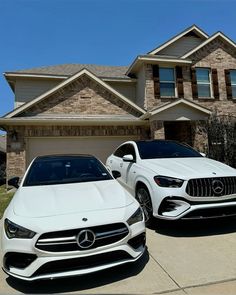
<point>173,181</point>
<point>69,217</point>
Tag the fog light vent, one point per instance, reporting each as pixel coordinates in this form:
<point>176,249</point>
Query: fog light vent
<point>138,241</point>
<point>18,260</point>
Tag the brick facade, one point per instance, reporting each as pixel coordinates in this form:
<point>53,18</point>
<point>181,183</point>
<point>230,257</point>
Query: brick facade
<point>82,97</point>
<point>217,55</point>
<point>149,100</point>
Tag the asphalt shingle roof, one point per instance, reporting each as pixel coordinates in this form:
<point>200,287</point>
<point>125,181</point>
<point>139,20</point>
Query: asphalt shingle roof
<point>71,69</point>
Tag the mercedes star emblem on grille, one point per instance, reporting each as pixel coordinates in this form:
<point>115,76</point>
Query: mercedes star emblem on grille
<point>86,238</point>
<point>217,186</point>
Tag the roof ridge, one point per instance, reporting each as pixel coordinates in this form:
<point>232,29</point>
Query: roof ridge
<point>69,64</point>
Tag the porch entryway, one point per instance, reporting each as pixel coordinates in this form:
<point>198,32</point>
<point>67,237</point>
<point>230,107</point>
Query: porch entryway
<point>179,130</point>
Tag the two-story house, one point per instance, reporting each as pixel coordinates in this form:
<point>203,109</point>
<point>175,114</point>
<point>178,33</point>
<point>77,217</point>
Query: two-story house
<point>74,108</point>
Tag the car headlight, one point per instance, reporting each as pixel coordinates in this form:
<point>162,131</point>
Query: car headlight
<point>136,217</point>
<point>16,231</point>
<point>165,181</point>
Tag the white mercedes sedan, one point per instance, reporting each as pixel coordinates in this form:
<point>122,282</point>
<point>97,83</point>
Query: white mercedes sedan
<point>173,181</point>
<point>69,217</point>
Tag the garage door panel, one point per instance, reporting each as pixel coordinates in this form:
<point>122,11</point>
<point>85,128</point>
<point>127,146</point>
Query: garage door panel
<point>100,147</point>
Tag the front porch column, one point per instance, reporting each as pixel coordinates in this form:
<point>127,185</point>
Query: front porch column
<point>157,130</point>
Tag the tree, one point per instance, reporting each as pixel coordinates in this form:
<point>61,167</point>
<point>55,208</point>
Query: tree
<point>221,137</point>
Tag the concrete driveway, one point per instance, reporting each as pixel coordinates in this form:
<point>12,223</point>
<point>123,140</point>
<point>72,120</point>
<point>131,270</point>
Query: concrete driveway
<point>182,258</point>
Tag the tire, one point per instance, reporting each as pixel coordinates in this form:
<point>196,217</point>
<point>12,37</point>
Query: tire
<point>144,199</point>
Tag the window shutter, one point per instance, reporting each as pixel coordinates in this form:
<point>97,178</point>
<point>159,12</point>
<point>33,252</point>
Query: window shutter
<point>194,83</point>
<point>228,84</point>
<point>215,83</point>
<point>179,80</point>
<point>156,79</point>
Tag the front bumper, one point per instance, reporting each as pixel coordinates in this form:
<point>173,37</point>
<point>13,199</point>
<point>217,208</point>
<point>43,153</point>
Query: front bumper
<point>48,265</point>
<point>175,207</point>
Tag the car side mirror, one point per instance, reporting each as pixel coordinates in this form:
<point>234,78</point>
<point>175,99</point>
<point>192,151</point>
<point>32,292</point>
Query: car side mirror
<point>128,158</point>
<point>14,181</point>
<point>203,154</point>
<point>116,174</point>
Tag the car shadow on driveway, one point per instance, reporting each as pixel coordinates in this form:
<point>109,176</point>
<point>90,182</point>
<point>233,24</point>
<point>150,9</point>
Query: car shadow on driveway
<point>80,283</point>
<point>195,228</point>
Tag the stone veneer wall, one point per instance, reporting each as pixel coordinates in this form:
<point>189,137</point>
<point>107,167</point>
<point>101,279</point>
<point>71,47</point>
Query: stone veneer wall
<point>16,149</point>
<point>149,100</point>
<point>157,129</point>
<point>82,97</point>
<point>216,55</point>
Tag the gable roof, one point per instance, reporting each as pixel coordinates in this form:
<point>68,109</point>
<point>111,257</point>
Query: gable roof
<point>69,80</point>
<point>169,105</point>
<point>193,28</point>
<point>214,36</point>
<point>66,70</point>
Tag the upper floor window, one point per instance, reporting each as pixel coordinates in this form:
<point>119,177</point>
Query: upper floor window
<point>203,77</point>
<point>167,82</point>
<point>233,82</point>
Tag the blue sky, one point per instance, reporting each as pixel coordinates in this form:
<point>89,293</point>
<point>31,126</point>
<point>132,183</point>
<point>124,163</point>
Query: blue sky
<point>48,32</point>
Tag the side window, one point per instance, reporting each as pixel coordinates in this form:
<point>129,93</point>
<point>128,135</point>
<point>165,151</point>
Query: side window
<point>233,82</point>
<point>130,150</point>
<point>126,149</point>
<point>121,151</point>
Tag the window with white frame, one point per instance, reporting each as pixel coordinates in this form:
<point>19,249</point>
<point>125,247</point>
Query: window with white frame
<point>203,76</point>
<point>233,82</point>
<point>167,82</point>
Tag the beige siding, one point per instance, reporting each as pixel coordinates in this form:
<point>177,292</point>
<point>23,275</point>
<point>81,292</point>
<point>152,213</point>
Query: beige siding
<point>180,112</point>
<point>126,88</point>
<point>27,89</point>
<point>181,46</point>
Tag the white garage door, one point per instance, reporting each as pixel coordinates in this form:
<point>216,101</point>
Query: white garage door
<point>101,147</point>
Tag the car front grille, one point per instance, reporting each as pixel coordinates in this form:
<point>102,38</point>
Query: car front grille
<point>211,187</point>
<point>63,241</point>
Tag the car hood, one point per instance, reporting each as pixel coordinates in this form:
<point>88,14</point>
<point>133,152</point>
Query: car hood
<point>187,168</point>
<point>64,199</point>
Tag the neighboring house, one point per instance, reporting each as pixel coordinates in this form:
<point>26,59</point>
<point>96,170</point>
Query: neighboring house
<point>91,109</point>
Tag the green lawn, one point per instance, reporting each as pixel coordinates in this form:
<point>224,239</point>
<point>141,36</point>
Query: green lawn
<point>5,198</point>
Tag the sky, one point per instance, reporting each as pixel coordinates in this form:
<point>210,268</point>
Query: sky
<point>36,33</point>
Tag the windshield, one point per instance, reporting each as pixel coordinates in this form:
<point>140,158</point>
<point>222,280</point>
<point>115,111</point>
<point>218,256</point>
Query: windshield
<point>165,149</point>
<point>65,169</point>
